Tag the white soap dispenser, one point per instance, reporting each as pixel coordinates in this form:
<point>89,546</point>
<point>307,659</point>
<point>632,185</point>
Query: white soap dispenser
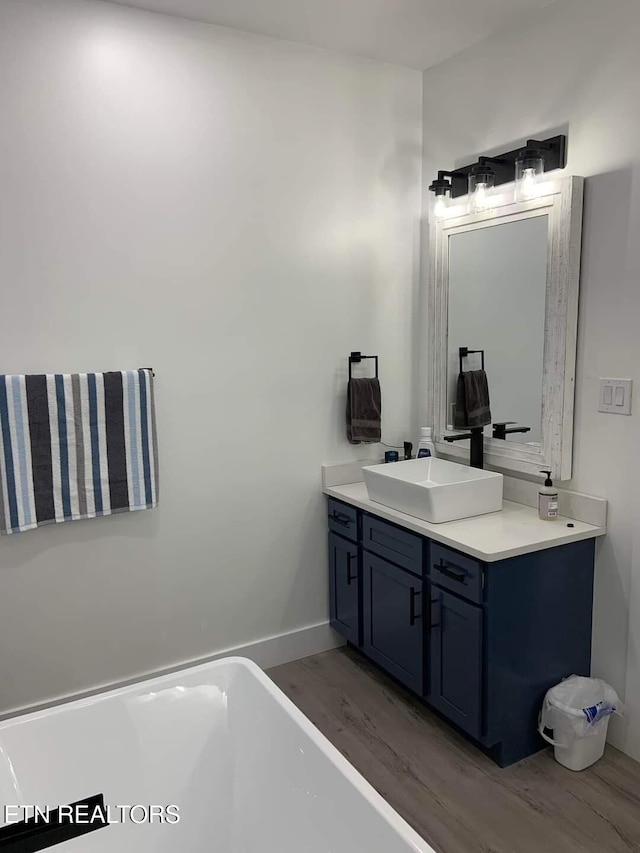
<point>426,447</point>
<point>548,500</point>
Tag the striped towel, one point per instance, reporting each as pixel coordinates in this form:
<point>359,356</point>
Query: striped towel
<point>76,446</point>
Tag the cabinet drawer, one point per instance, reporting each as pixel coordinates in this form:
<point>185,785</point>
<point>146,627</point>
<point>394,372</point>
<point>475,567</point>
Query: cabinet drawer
<point>343,519</point>
<point>400,547</point>
<point>460,574</point>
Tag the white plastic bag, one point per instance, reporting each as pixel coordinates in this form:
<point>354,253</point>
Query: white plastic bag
<point>583,703</point>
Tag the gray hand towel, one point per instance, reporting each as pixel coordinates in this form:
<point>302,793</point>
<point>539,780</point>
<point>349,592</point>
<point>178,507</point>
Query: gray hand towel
<point>472,400</point>
<point>364,411</point>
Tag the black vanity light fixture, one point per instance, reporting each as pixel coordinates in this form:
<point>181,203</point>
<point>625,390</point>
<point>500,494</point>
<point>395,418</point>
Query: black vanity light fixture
<point>524,166</point>
<point>441,190</point>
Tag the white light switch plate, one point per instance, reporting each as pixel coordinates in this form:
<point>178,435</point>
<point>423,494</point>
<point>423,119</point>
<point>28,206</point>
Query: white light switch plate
<point>615,396</point>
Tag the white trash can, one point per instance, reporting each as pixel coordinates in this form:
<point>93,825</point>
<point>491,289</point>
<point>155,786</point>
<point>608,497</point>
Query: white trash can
<point>578,711</point>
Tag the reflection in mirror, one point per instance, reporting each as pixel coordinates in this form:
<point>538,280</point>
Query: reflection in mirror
<point>497,296</point>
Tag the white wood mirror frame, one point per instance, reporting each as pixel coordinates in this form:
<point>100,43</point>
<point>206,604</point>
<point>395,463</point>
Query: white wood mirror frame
<point>562,203</point>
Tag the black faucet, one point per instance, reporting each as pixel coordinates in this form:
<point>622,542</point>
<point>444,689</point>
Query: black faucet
<point>500,429</point>
<point>476,434</point>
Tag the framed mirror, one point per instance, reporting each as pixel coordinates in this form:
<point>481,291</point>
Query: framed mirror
<point>503,290</point>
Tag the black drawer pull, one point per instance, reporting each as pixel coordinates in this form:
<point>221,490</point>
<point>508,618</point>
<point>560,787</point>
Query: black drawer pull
<point>413,594</point>
<point>340,518</point>
<point>456,576</point>
<point>349,576</point>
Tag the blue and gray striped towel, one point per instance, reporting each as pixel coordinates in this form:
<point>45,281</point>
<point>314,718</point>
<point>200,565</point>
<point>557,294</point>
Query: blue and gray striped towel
<point>76,446</point>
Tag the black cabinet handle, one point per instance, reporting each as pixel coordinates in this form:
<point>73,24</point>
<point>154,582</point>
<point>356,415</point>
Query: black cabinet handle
<point>349,577</point>
<point>413,594</point>
<point>456,576</point>
<point>339,518</point>
<point>432,624</point>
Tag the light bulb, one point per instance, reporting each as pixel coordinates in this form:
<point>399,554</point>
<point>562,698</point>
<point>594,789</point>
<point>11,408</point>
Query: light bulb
<point>529,183</point>
<point>529,171</point>
<point>440,207</point>
<point>482,197</point>
<point>439,194</point>
<point>482,180</point>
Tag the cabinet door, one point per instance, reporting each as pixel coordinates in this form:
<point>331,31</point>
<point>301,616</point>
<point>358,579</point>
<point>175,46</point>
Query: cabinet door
<point>344,588</point>
<point>455,628</point>
<point>392,617</point>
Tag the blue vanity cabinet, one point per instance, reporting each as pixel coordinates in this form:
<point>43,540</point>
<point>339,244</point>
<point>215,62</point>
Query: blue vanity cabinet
<point>392,619</point>
<point>538,611</point>
<point>455,635</point>
<point>393,544</point>
<point>479,642</point>
<point>344,588</point>
<point>392,606</point>
<point>455,644</point>
<point>343,520</point>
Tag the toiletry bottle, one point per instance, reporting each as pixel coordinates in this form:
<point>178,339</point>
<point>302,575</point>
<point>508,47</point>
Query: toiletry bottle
<point>426,446</point>
<point>548,499</point>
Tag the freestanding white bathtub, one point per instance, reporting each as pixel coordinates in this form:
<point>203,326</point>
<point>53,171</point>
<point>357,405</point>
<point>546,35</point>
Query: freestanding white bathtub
<point>247,770</point>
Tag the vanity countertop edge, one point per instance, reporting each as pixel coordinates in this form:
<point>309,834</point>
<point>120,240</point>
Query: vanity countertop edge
<point>513,531</point>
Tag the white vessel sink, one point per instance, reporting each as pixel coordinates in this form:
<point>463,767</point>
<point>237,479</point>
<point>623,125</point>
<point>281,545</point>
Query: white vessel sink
<point>433,489</point>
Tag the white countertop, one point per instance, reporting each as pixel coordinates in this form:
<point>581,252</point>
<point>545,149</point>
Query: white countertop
<point>514,531</point>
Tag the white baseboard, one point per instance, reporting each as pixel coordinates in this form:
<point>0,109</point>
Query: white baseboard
<point>269,652</point>
<point>274,651</point>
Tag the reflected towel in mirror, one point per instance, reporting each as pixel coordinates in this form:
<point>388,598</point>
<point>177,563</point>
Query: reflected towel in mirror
<point>472,400</point>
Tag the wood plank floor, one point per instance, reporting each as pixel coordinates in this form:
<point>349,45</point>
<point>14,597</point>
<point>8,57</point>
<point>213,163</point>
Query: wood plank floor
<point>455,797</point>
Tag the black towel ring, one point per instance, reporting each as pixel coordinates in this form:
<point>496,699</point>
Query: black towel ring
<point>357,357</point>
<point>463,352</point>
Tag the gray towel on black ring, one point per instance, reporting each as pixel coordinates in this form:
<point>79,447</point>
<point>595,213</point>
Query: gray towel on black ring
<point>364,411</point>
<point>472,400</point>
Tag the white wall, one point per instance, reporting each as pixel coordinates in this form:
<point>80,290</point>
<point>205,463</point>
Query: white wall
<point>576,65</point>
<point>238,213</point>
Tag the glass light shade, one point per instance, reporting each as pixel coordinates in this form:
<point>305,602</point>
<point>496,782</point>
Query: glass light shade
<point>481,186</point>
<point>438,203</point>
<point>529,171</point>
